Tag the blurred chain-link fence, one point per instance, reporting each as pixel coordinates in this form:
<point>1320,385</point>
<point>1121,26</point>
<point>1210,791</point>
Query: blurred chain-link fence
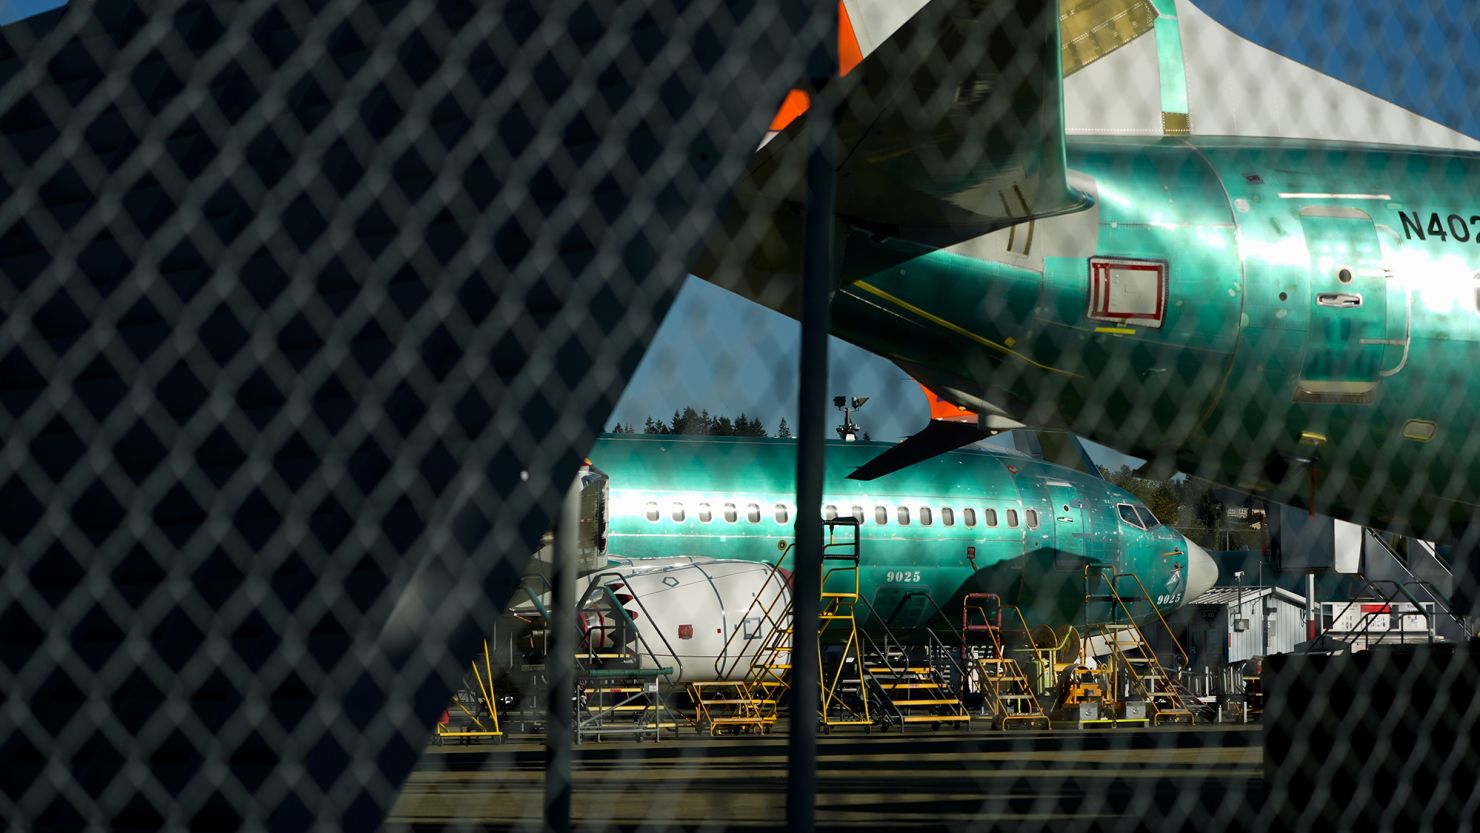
<point>312,310</point>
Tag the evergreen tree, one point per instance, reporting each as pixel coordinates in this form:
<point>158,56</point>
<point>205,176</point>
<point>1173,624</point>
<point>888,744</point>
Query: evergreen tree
<point>688,420</point>
<point>747,427</point>
<point>783,430</point>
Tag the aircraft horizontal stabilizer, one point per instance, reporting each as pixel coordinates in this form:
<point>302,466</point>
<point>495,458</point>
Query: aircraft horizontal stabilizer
<point>950,129</point>
<point>938,437</point>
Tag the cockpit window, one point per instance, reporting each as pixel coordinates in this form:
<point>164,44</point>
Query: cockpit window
<point>1128,514</point>
<point>1148,520</point>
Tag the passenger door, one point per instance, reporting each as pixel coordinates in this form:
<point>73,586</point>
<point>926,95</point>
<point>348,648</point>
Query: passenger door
<point>1070,525</point>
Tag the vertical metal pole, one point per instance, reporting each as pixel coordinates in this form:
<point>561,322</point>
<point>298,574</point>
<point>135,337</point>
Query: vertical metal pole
<point>817,277</point>
<point>1310,605</point>
<point>560,671</point>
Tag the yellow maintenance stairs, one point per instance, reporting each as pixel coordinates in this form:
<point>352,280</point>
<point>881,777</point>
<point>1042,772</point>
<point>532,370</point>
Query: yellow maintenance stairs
<point>911,682</point>
<point>473,714</point>
<point>752,702</point>
<point>913,693</point>
<point>1135,674</point>
<point>1005,689</point>
<point>843,700</point>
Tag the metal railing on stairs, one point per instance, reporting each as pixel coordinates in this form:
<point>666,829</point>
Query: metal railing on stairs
<point>1132,657</point>
<point>844,695</point>
<point>906,690</point>
<point>1006,689</point>
<point>1380,604</point>
<point>477,707</point>
<point>751,701</point>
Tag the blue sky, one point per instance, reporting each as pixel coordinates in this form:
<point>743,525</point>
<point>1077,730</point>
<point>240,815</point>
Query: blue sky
<point>718,351</point>
<point>13,10</point>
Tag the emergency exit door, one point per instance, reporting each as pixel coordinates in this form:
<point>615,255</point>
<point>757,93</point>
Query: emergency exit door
<point>1347,340</point>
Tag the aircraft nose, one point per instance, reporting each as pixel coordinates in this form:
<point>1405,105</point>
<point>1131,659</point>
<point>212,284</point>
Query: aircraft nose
<point>1202,571</point>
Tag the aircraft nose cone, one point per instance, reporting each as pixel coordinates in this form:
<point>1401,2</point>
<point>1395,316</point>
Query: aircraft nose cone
<point>1202,572</point>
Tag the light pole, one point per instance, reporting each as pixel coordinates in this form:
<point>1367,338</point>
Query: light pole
<point>849,429</point>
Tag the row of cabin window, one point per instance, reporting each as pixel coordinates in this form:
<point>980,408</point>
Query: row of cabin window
<point>782,513</point>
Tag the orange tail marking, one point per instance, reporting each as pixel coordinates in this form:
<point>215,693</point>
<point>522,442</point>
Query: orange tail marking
<point>849,56</point>
<point>943,410</point>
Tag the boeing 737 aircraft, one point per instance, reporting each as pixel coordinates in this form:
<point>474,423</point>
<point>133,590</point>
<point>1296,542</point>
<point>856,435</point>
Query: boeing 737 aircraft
<point>694,524</point>
<point>1125,221</point>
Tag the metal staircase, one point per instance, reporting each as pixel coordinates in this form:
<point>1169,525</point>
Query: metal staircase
<point>473,713</point>
<point>1383,599</point>
<point>912,682</point>
<point>747,692</point>
<point>909,691</point>
<point>750,700</point>
<point>616,692</point>
<point>1132,659</point>
<point>1006,690</point>
<point>844,698</point>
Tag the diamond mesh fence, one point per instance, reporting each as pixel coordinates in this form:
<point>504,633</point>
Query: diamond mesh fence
<point>313,310</point>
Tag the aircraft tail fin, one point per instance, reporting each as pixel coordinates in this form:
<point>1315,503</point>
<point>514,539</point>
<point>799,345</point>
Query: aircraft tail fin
<point>1058,447</point>
<point>948,129</point>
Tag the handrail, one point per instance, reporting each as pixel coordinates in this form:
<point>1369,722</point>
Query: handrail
<point>967,607</point>
<point>889,635</point>
<point>1443,603</point>
<point>533,597</point>
<point>1027,632</point>
<point>758,601</point>
<point>1434,553</point>
<point>594,583</point>
<point>1147,595</point>
<point>1365,622</point>
<point>939,612</point>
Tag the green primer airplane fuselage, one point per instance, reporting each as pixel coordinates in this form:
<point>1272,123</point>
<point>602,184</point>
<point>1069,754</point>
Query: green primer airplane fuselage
<point>978,521</point>
<point>1317,338</point>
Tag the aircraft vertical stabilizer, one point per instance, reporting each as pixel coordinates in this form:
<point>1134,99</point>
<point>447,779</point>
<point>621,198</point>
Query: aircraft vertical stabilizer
<point>1229,86</point>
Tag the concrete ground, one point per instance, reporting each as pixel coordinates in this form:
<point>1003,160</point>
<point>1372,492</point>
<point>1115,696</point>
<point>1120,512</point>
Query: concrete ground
<point>1203,778</point>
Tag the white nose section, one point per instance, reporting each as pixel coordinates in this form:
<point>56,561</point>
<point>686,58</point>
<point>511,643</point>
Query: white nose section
<point>1202,572</point>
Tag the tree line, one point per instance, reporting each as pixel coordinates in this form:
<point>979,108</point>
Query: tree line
<point>702,423</point>
<point>1195,508</point>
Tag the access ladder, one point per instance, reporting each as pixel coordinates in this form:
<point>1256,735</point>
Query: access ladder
<point>752,702</point>
<point>1000,678</point>
<point>1131,655</point>
<point>843,699</point>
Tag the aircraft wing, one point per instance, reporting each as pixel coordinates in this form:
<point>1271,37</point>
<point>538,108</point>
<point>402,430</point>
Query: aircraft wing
<point>949,129</point>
